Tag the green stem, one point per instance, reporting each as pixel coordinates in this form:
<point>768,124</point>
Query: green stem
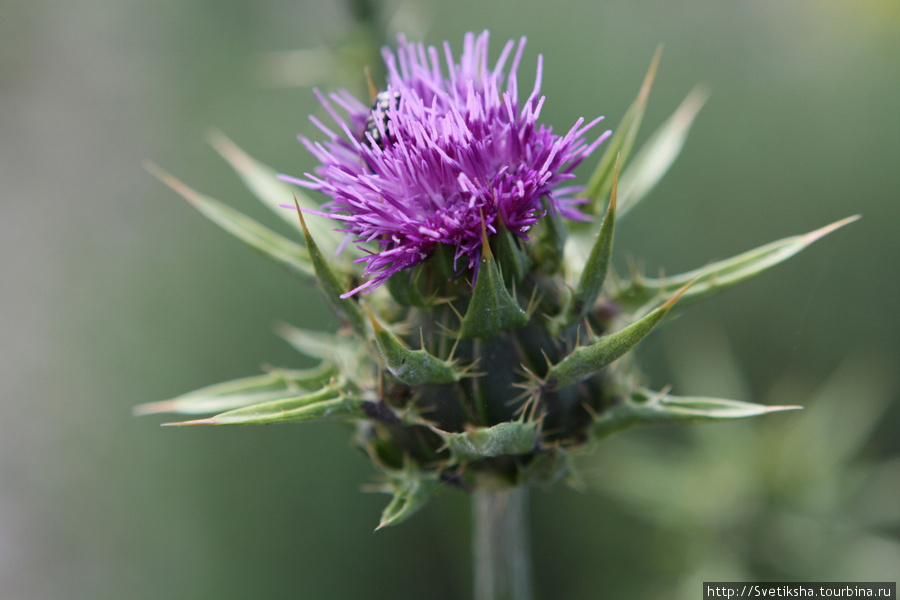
<point>500,544</point>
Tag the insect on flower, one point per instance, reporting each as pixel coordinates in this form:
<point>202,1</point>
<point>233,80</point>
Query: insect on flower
<point>382,102</point>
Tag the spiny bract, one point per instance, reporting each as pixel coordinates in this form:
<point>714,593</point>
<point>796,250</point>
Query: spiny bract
<point>482,343</point>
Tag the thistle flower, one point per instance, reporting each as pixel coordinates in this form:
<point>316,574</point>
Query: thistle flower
<point>497,346</point>
<point>438,157</point>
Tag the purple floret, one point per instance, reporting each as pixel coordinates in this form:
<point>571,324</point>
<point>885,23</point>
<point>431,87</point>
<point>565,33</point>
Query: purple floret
<point>448,152</point>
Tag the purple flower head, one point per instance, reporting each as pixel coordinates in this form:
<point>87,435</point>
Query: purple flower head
<point>438,154</point>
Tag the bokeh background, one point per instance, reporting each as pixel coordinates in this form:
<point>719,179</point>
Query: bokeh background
<point>114,292</point>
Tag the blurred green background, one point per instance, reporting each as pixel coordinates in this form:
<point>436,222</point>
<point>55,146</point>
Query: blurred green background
<point>114,292</point>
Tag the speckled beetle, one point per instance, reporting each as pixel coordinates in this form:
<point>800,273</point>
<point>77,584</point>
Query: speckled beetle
<point>382,103</point>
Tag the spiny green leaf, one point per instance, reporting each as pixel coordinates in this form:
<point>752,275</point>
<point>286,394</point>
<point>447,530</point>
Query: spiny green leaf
<point>514,262</point>
<point>332,285</point>
<point>551,233</point>
<point>349,355</point>
<point>274,379</point>
<point>645,407</point>
<point>277,383</point>
<point>275,194</point>
<point>503,439</point>
<point>202,405</point>
<point>314,344</point>
<point>584,361</point>
<point>594,274</point>
<point>621,142</point>
<point>413,367</point>
<point>656,156</point>
<point>404,288</point>
<point>411,492</point>
<point>637,294</point>
<point>293,256</point>
<point>326,404</point>
<point>550,466</point>
<point>491,309</point>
